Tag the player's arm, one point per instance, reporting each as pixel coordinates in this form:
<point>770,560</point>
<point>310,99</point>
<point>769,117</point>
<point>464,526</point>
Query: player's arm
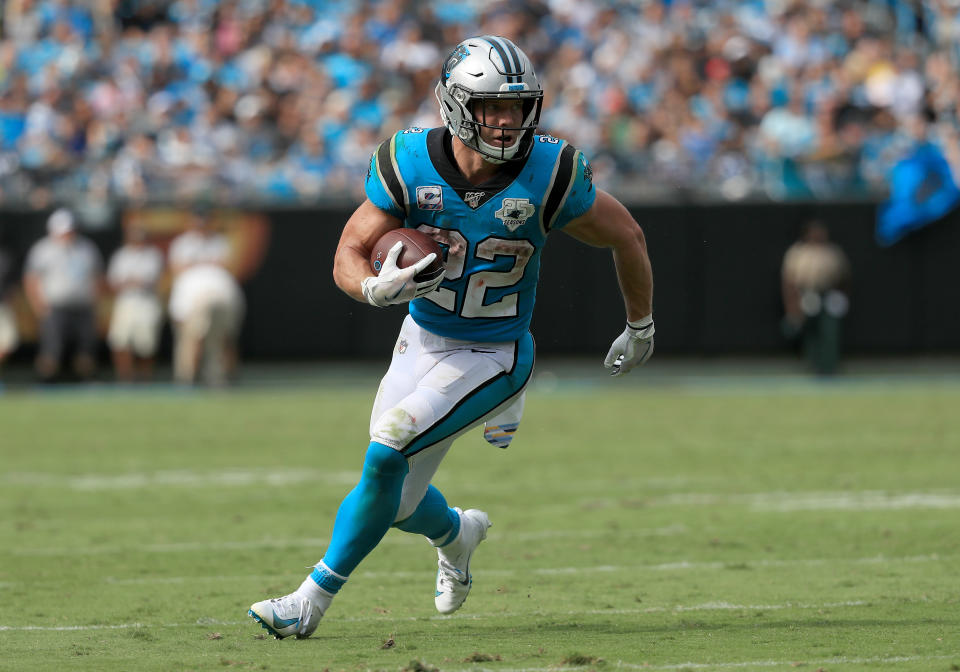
<point>609,224</point>
<point>351,264</point>
<point>352,261</point>
<point>382,211</point>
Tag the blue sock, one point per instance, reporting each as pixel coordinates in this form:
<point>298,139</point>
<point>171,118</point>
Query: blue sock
<point>432,518</point>
<point>368,511</point>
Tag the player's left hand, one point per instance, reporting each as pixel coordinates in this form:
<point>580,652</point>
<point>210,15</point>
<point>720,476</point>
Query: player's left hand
<point>632,348</point>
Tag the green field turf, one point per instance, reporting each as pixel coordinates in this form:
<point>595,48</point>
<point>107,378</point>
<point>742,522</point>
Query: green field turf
<point>713,524</point>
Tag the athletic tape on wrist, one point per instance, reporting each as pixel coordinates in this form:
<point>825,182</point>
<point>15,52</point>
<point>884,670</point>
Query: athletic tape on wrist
<point>642,323</point>
<point>642,326</point>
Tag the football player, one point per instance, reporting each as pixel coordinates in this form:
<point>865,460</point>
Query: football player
<point>490,191</point>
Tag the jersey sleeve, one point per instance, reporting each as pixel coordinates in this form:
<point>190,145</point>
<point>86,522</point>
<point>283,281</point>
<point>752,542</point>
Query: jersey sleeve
<point>581,193</point>
<point>384,185</point>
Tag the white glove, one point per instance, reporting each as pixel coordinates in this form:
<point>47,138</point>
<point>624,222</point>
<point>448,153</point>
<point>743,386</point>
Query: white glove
<point>632,348</point>
<point>396,285</point>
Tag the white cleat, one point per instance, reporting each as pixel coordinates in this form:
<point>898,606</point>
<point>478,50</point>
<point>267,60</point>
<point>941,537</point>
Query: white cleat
<point>453,573</point>
<point>291,614</point>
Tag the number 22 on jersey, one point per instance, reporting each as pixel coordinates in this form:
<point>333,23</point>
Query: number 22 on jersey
<point>479,282</point>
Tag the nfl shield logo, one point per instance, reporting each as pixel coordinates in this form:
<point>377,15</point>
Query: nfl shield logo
<point>402,345</point>
<point>472,198</point>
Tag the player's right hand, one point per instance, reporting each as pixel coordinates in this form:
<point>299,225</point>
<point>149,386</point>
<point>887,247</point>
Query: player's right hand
<point>395,284</point>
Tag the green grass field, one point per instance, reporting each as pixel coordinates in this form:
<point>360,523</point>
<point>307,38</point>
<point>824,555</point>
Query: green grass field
<point>644,523</point>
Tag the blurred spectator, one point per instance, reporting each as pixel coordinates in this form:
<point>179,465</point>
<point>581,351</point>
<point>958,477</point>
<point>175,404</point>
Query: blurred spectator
<point>815,280</point>
<point>9,336</point>
<point>263,100</point>
<point>133,275</point>
<point>201,243</point>
<point>63,279</point>
<point>206,304</point>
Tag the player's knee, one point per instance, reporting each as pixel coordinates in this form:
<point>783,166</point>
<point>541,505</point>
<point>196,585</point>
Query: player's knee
<point>397,426</point>
<point>383,462</point>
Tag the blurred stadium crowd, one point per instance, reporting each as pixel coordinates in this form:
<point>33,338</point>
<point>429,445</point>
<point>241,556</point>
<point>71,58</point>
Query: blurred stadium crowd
<point>282,101</point>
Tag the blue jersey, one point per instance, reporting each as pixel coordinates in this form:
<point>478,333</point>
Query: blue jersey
<point>491,234</point>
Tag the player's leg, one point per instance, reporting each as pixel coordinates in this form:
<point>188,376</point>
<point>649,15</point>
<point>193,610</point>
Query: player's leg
<point>441,393</point>
<point>368,511</point>
<point>373,506</point>
<point>458,386</point>
<point>364,516</point>
<point>466,387</point>
<point>455,533</point>
<point>423,508</point>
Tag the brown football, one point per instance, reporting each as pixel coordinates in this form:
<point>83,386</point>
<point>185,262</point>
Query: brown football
<point>416,245</point>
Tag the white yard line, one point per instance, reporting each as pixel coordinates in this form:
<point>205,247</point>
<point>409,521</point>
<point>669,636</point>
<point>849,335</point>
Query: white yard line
<point>853,501</point>
<point>180,478</point>
<point>183,547</point>
<point>786,502</point>
<point>243,476</point>
<point>871,500</point>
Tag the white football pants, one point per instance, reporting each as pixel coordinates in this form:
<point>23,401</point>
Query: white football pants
<point>437,389</point>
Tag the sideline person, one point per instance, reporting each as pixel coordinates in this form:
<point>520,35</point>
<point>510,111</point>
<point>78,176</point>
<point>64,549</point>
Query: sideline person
<point>134,275</point>
<point>63,280</point>
<point>815,278</point>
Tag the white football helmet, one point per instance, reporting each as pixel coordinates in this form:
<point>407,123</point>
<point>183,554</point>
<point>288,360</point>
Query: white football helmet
<point>483,68</point>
